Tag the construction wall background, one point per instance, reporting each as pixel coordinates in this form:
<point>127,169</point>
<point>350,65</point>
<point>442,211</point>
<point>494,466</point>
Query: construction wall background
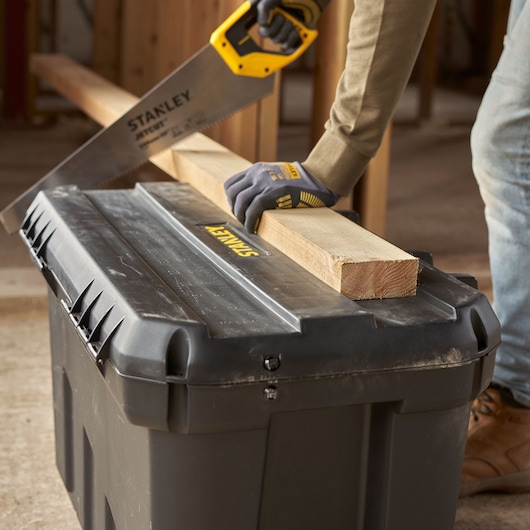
<point>135,43</point>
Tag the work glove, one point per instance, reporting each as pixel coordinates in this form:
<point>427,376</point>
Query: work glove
<point>280,30</point>
<point>266,186</point>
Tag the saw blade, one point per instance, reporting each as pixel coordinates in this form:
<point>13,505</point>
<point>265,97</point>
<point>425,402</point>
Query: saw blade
<point>200,93</point>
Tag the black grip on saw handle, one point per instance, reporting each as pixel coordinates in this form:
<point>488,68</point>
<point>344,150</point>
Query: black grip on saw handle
<point>243,55</point>
<point>308,11</point>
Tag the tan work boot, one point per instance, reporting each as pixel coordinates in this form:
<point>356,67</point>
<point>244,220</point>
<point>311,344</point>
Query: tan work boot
<point>497,454</point>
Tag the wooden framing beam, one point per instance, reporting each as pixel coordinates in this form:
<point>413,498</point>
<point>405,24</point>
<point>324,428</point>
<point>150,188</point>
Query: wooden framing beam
<point>345,256</point>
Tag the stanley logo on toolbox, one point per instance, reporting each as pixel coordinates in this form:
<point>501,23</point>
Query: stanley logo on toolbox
<point>229,239</point>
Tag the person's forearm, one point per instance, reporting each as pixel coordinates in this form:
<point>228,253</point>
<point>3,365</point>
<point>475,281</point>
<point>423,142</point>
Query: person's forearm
<point>384,41</point>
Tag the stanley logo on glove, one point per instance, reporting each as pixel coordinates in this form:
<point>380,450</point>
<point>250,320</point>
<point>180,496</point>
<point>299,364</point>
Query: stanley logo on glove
<point>282,170</point>
<point>288,171</point>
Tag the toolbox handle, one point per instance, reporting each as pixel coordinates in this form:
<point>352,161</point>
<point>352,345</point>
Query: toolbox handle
<point>479,330</point>
<point>246,57</point>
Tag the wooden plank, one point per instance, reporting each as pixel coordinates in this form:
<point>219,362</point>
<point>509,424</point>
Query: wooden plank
<point>96,96</point>
<point>341,253</point>
<point>345,256</point>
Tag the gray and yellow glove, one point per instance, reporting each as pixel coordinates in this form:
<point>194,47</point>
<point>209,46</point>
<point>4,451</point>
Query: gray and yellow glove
<point>280,30</point>
<point>266,186</point>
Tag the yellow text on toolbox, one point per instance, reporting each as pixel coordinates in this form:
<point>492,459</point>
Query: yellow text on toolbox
<point>222,234</point>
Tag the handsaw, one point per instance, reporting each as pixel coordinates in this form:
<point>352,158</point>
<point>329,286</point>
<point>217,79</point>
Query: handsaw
<point>227,74</point>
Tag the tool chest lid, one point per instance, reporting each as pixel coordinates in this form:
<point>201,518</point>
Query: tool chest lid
<point>161,284</point>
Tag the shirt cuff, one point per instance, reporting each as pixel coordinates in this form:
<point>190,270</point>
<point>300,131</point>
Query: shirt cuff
<point>335,164</point>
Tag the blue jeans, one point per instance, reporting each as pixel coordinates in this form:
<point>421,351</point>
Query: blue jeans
<point>500,144</point>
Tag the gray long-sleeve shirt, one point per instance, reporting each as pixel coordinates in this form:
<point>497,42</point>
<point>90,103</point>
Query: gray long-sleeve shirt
<point>385,37</point>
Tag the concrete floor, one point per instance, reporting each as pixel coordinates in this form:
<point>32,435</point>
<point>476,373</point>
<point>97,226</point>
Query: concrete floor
<point>433,204</point>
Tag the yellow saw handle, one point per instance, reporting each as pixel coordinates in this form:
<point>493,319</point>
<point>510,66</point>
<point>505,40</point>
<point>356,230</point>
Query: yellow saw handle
<point>246,57</point>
